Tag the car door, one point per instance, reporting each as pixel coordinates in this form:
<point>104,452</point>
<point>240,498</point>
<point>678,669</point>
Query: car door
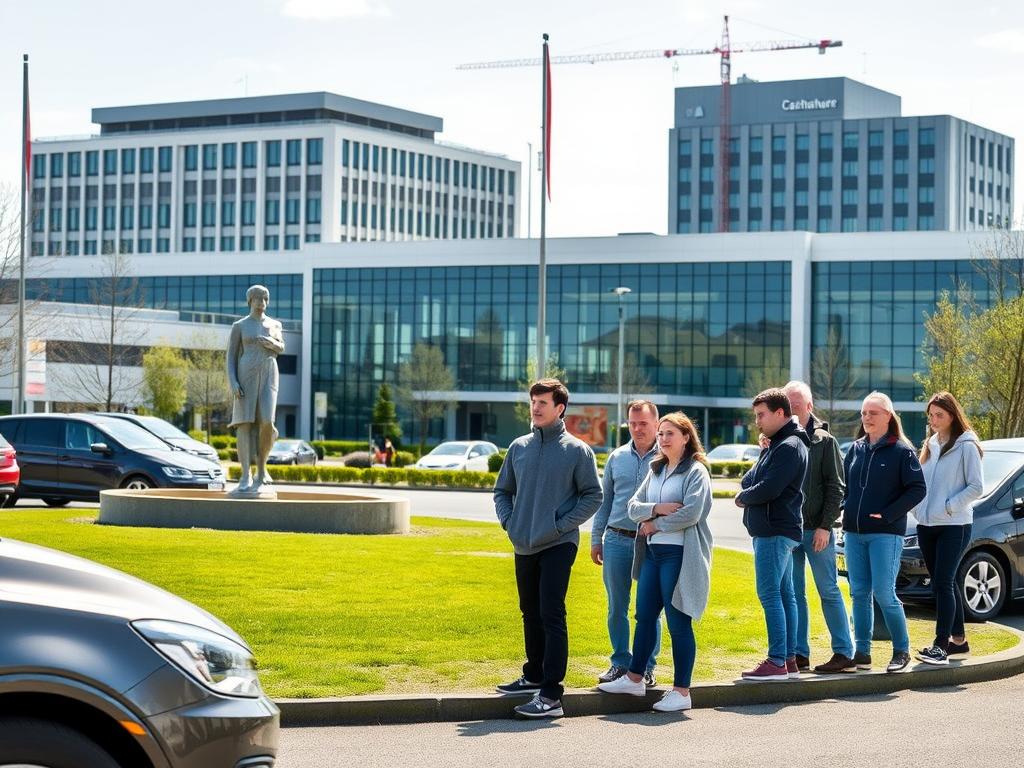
<point>84,473</point>
<point>40,442</point>
<point>308,455</point>
<point>477,461</point>
<point>1009,518</point>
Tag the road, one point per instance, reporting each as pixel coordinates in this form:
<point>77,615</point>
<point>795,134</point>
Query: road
<point>965,725</point>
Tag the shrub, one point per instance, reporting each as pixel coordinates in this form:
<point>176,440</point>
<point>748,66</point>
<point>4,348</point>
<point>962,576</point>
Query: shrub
<point>422,478</point>
<point>404,458</point>
<point>316,446</point>
<point>495,460</point>
<point>338,447</point>
<point>227,454</point>
<point>359,459</point>
<point>219,441</point>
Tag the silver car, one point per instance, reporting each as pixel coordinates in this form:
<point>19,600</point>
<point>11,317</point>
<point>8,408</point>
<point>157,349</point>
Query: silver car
<point>100,669</point>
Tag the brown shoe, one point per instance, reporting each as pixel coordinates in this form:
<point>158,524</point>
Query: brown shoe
<point>803,663</point>
<point>837,664</point>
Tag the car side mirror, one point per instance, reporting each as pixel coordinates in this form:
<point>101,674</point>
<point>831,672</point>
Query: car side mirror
<point>1018,508</point>
<point>101,448</point>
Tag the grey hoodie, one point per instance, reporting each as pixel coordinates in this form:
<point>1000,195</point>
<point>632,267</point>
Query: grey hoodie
<point>546,489</point>
<point>954,482</point>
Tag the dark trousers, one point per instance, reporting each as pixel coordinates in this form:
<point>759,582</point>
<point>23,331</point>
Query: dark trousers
<point>942,546</point>
<point>543,580</point>
<point>658,576</point>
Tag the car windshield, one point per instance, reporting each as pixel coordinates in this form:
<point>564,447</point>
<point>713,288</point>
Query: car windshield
<point>161,428</point>
<point>449,449</point>
<point>726,452</point>
<point>996,465</point>
<point>131,436</point>
<point>284,446</point>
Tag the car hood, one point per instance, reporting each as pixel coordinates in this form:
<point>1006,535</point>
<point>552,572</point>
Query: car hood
<point>440,461</point>
<point>40,576</point>
<point>178,459</point>
<point>189,444</point>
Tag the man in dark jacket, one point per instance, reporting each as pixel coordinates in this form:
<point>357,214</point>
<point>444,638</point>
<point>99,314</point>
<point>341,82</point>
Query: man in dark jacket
<point>546,489</point>
<point>823,497</point>
<point>772,498</point>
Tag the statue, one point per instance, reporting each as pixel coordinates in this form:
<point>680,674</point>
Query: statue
<point>255,342</point>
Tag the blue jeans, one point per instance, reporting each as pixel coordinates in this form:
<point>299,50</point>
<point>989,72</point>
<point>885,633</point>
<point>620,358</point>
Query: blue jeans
<point>658,577</point>
<point>873,560</point>
<point>617,572</point>
<point>826,579</point>
<point>773,574</point>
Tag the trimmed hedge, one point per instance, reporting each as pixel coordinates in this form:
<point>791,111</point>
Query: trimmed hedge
<point>404,458</point>
<point>221,442</point>
<point>377,476</point>
<point>495,460</point>
<point>337,447</point>
<point>227,454</point>
<point>730,468</point>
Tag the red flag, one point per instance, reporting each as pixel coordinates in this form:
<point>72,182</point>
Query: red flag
<point>547,118</point>
<point>27,128</point>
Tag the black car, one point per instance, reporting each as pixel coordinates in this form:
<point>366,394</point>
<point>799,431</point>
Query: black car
<point>291,452</point>
<point>67,457</point>
<point>992,568</point>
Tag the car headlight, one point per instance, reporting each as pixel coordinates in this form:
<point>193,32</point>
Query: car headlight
<point>177,473</point>
<point>212,660</point>
<point>909,541</point>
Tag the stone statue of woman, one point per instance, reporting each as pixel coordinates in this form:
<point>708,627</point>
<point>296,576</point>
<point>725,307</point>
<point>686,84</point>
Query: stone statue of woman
<point>255,342</point>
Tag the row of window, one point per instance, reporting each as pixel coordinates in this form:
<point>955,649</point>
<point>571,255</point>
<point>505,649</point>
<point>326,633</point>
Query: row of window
<point>900,167</point>
<point>850,140</point>
<point>214,156</point>
<point>189,244</point>
<point>404,220</point>
<point>778,224</point>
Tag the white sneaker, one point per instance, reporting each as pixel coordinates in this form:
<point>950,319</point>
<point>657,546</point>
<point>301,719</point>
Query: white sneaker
<point>673,701</point>
<point>624,685</point>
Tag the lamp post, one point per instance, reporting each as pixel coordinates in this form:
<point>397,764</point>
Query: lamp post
<point>620,292</point>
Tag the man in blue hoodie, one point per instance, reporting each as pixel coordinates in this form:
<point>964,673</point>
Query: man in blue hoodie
<point>772,498</point>
<point>546,489</point>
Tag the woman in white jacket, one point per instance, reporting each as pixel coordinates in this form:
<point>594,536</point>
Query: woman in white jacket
<point>951,460</point>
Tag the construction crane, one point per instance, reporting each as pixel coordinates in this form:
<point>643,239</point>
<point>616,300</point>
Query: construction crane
<point>724,49</point>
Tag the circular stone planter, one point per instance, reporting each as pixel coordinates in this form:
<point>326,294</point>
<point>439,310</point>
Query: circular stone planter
<point>296,511</point>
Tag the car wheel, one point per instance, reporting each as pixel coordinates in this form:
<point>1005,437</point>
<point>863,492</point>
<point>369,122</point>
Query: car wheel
<point>982,584</point>
<point>55,501</point>
<point>32,742</point>
<point>136,483</point>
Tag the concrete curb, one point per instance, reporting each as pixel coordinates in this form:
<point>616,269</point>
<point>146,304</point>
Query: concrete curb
<point>369,710</point>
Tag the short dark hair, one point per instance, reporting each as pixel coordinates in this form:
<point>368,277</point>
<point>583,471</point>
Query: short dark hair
<point>558,390</point>
<point>640,405</point>
<point>776,399</point>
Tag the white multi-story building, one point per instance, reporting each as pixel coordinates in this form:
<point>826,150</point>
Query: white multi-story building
<point>265,173</point>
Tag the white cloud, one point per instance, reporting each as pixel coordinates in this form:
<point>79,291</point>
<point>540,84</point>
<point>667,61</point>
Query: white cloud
<point>1005,40</point>
<point>334,9</point>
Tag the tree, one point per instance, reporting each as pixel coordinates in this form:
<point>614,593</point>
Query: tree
<point>947,350</point>
<point>102,341</point>
<point>164,380</point>
<point>208,390</point>
<point>772,374</point>
<point>551,371</point>
<point>425,386</point>
<point>833,378</point>
<point>384,416</point>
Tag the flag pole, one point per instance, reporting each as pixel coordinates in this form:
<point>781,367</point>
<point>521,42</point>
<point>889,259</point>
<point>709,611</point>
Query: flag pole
<point>19,399</point>
<point>542,282</point>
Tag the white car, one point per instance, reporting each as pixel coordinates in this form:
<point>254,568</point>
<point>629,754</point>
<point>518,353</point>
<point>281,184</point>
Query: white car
<point>735,452</point>
<point>459,454</point>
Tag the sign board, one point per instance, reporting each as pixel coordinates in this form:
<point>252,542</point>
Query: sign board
<point>589,423</point>
<point>35,369</point>
<point>320,404</point>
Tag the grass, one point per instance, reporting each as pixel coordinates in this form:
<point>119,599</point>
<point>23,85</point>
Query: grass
<point>331,615</point>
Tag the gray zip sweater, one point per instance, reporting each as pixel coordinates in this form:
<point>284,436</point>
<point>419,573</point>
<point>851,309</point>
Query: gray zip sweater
<point>546,489</point>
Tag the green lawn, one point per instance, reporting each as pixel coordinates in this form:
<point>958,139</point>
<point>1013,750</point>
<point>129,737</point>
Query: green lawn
<point>331,615</point>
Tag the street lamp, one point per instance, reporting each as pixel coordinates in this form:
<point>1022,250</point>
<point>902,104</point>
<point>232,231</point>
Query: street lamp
<point>620,292</point>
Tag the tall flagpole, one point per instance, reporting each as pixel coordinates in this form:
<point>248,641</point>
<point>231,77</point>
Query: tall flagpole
<point>19,399</point>
<point>542,281</point>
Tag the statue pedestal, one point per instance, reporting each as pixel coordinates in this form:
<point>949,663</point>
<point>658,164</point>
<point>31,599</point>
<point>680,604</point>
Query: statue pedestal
<point>253,493</point>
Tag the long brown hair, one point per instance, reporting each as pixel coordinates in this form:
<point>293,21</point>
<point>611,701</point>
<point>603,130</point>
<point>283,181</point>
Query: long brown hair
<point>694,448</point>
<point>961,424</point>
<point>895,425</point>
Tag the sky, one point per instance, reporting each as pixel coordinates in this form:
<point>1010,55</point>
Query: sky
<point>609,159</point>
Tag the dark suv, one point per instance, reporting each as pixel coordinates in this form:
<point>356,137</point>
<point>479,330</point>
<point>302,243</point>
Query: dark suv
<point>992,568</point>
<point>67,457</point>
<point>101,670</point>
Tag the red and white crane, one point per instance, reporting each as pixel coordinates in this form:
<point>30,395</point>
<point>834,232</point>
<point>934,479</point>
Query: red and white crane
<point>724,49</point>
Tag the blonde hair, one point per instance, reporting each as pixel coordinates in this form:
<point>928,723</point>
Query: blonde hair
<point>895,425</point>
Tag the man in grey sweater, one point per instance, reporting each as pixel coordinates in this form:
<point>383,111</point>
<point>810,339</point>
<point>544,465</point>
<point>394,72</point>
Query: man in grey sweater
<point>546,489</point>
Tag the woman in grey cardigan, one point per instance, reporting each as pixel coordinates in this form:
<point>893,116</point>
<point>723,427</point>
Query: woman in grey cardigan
<point>951,461</point>
<point>672,557</point>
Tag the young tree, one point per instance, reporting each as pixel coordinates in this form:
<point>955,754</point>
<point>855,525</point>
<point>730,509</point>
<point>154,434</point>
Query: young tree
<point>208,390</point>
<point>833,378</point>
<point>385,417</point>
<point>551,371</point>
<point>164,376</point>
<point>772,374</point>
<point>425,384</point>
<point>948,351</point>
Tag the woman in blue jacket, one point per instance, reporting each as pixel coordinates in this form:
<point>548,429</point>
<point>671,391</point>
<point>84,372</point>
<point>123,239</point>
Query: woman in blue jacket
<point>883,483</point>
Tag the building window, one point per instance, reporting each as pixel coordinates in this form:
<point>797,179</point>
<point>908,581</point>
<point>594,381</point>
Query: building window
<point>227,153</point>
<point>92,163</point>
<point>778,143</point>
<point>72,248</point>
<point>248,212</point>
<point>291,211</point>
<point>227,213</point>
<point>850,196</point>
<point>145,245</point>
<point>127,217</point>
<point>272,150</point>
<point>109,161</point>
<point>209,157</point>
<point>273,212</point>
<point>926,136</point>
<point>756,173</point>
<point>926,194</point>
<point>875,224</point>
<point>779,171</point>
<point>900,165</point>
<point>73,221</point>
<point>850,139</point>
<point>227,243</point>
<point>313,210</point>
<point>685,174</point>
<point>248,154</point>
<point>825,169</point>
<point>824,225</point>
<point>163,245</point>
<point>849,224</point>
<point>876,196</point>
<point>899,223</point>
<point>207,244</point>
<point>926,165</point>
<point>163,215</point>
<point>706,146</point>
<point>188,244</point>
<point>901,195</point>
<point>56,166</point>
<point>293,149</point>
<point>314,151</point>
<point>875,168</point>
<point>39,167</point>
<point>926,222</point>
<point>247,243</point>
<point>901,137</point>
<point>802,170</point>
<point>189,214</point>
<point>707,173</point>
<point>55,222</point>
<point>291,242</point>
<point>145,216</point>
<point>165,158</point>
<point>109,217</point>
<point>271,243</point>
<point>875,138</point>
<point>191,157</point>
<point>850,168</point>
<point>209,214</point>
<point>803,141</point>
<point>90,218</point>
<point>825,141</point>
<point>145,162</point>
<point>824,197</point>
<point>127,161</point>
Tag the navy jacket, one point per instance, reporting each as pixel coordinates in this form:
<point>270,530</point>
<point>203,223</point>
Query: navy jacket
<point>884,479</point>
<point>773,488</point>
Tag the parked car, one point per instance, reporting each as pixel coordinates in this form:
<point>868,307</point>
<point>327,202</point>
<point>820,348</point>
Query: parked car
<point>459,454</point>
<point>100,669</point>
<point>991,571</point>
<point>169,434</point>
<point>9,472</point>
<point>735,452</point>
<point>68,457</point>
<point>844,447</point>
<point>291,452</point>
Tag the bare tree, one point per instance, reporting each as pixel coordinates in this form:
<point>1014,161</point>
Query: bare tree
<point>833,378</point>
<point>423,381</point>
<point>102,342</point>
<point>208,390</point>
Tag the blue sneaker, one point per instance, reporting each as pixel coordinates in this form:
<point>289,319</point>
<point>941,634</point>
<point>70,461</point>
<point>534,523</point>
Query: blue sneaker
<point>539,706</point>
<point>522,685</point>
